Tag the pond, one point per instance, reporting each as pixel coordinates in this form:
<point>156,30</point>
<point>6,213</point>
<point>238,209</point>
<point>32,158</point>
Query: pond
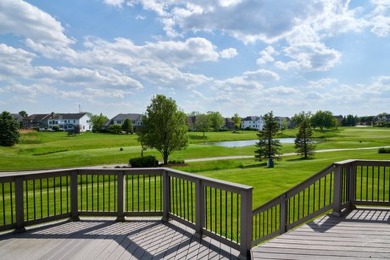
<point>247,142</point>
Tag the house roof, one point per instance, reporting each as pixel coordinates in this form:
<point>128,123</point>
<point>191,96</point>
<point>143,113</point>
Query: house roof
<point>251,118</point>
<point>38,117</point>
<point>68,116</point>
<point>132,117</point>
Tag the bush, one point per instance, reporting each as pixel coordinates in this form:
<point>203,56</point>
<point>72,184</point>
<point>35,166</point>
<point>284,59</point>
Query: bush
<point>146,161</point>
<point>172,162</point>
<point>384,150</point>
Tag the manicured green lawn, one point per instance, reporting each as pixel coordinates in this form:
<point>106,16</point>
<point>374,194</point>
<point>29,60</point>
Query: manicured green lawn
<point>42,150</point>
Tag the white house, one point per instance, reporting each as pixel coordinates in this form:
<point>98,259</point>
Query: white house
<point>252,122</point>
<point>69,122</point>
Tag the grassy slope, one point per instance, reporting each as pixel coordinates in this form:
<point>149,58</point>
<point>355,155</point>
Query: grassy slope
<point>57,150</point>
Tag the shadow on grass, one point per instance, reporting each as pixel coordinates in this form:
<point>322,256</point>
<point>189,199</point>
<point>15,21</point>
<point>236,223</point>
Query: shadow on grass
<point>255,165</point>
<point>197,137</point>
<point>299,159</point>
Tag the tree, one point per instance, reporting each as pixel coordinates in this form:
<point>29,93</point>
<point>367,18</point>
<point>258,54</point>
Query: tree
<point>304,143</point>
<point>202,123</point>
<point>9,130</point>
<point>268,147</point>
<point>115,129</point>
<point>216,120</point>
<point>323,119</point>
<point>350,120</point>
<point>23,114</point>
<point>297,119</point>
<point>128,126</point>
<point>164,127</point>
<point>97,122</point>
<point>237,121</point>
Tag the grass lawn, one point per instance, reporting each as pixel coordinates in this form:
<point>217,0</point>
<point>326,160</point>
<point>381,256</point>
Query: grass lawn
<point>49,150</point>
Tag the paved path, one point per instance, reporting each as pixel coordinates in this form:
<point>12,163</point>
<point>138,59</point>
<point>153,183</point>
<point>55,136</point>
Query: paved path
<point>286,154</point>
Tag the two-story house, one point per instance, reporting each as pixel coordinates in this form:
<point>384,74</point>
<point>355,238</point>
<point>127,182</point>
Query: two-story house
<point>70,121</point>
<point>136,120</point>
<point>252,122</point>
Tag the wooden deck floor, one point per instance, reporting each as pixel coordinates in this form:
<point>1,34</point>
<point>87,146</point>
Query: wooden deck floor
<point>362,234</point>
<point>106,239</point>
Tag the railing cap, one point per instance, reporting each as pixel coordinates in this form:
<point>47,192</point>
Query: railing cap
<point>195,176</point>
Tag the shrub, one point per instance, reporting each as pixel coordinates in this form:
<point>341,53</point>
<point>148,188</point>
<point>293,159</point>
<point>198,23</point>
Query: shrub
<point>384,150</point>
<point>176,162</point>
<point>146,161</point>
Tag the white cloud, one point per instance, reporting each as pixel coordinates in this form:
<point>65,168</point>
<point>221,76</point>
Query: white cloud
<point>261,75</point>
<point>117,3</point>
<point>311,57</point>
<point>322,83</point>
<point>228,53</point>
<point>380,18</point>
<point>23,19</point>
<point>266,55</point>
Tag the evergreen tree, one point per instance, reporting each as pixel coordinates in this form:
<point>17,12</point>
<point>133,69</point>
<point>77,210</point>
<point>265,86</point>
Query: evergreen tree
<point>304,143</point>
<point>9,130</point>
<point>268,146</point>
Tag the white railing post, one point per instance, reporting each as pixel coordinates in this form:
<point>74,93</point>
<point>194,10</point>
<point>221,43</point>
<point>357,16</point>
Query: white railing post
<point>246,223</point>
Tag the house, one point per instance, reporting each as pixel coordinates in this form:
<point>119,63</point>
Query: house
<point>18,118</point>
<point>382,119</point>
<point>284,122</point>
<point>64,121</point>
<point>136,120</point>
<point>70,121</point>
<point>36,121</point>
<point>252,122</point>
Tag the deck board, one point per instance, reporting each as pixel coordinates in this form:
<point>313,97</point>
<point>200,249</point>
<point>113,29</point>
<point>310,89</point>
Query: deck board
<point>107,239</point>
<point>362,234</point>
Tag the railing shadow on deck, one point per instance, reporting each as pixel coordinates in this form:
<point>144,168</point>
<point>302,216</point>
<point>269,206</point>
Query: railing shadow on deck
<point>139,238</point>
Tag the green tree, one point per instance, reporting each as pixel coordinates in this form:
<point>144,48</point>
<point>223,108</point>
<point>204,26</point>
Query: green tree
<point>323,119</point>
<point>9,130</point>
<point>115,129</point>
<point>297,119</point>
<point>268,146</point>
<point>97,122</point>
<point>128,126</point>
<point>237,121</point>
<point>304,143</point>
<point>216,120</point>
<point>202,123</point>
<point>164,127</point>
<point>23,114</point>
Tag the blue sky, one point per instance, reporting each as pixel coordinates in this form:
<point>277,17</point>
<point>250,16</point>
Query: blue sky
<point>233,56</point>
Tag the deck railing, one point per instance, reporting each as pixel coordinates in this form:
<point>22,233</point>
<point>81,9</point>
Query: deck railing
<point>219,209</point>
<point>339,187</point>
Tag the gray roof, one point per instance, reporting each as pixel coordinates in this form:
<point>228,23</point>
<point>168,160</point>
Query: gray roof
<point>68,116</point>
<point>123,117</point>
